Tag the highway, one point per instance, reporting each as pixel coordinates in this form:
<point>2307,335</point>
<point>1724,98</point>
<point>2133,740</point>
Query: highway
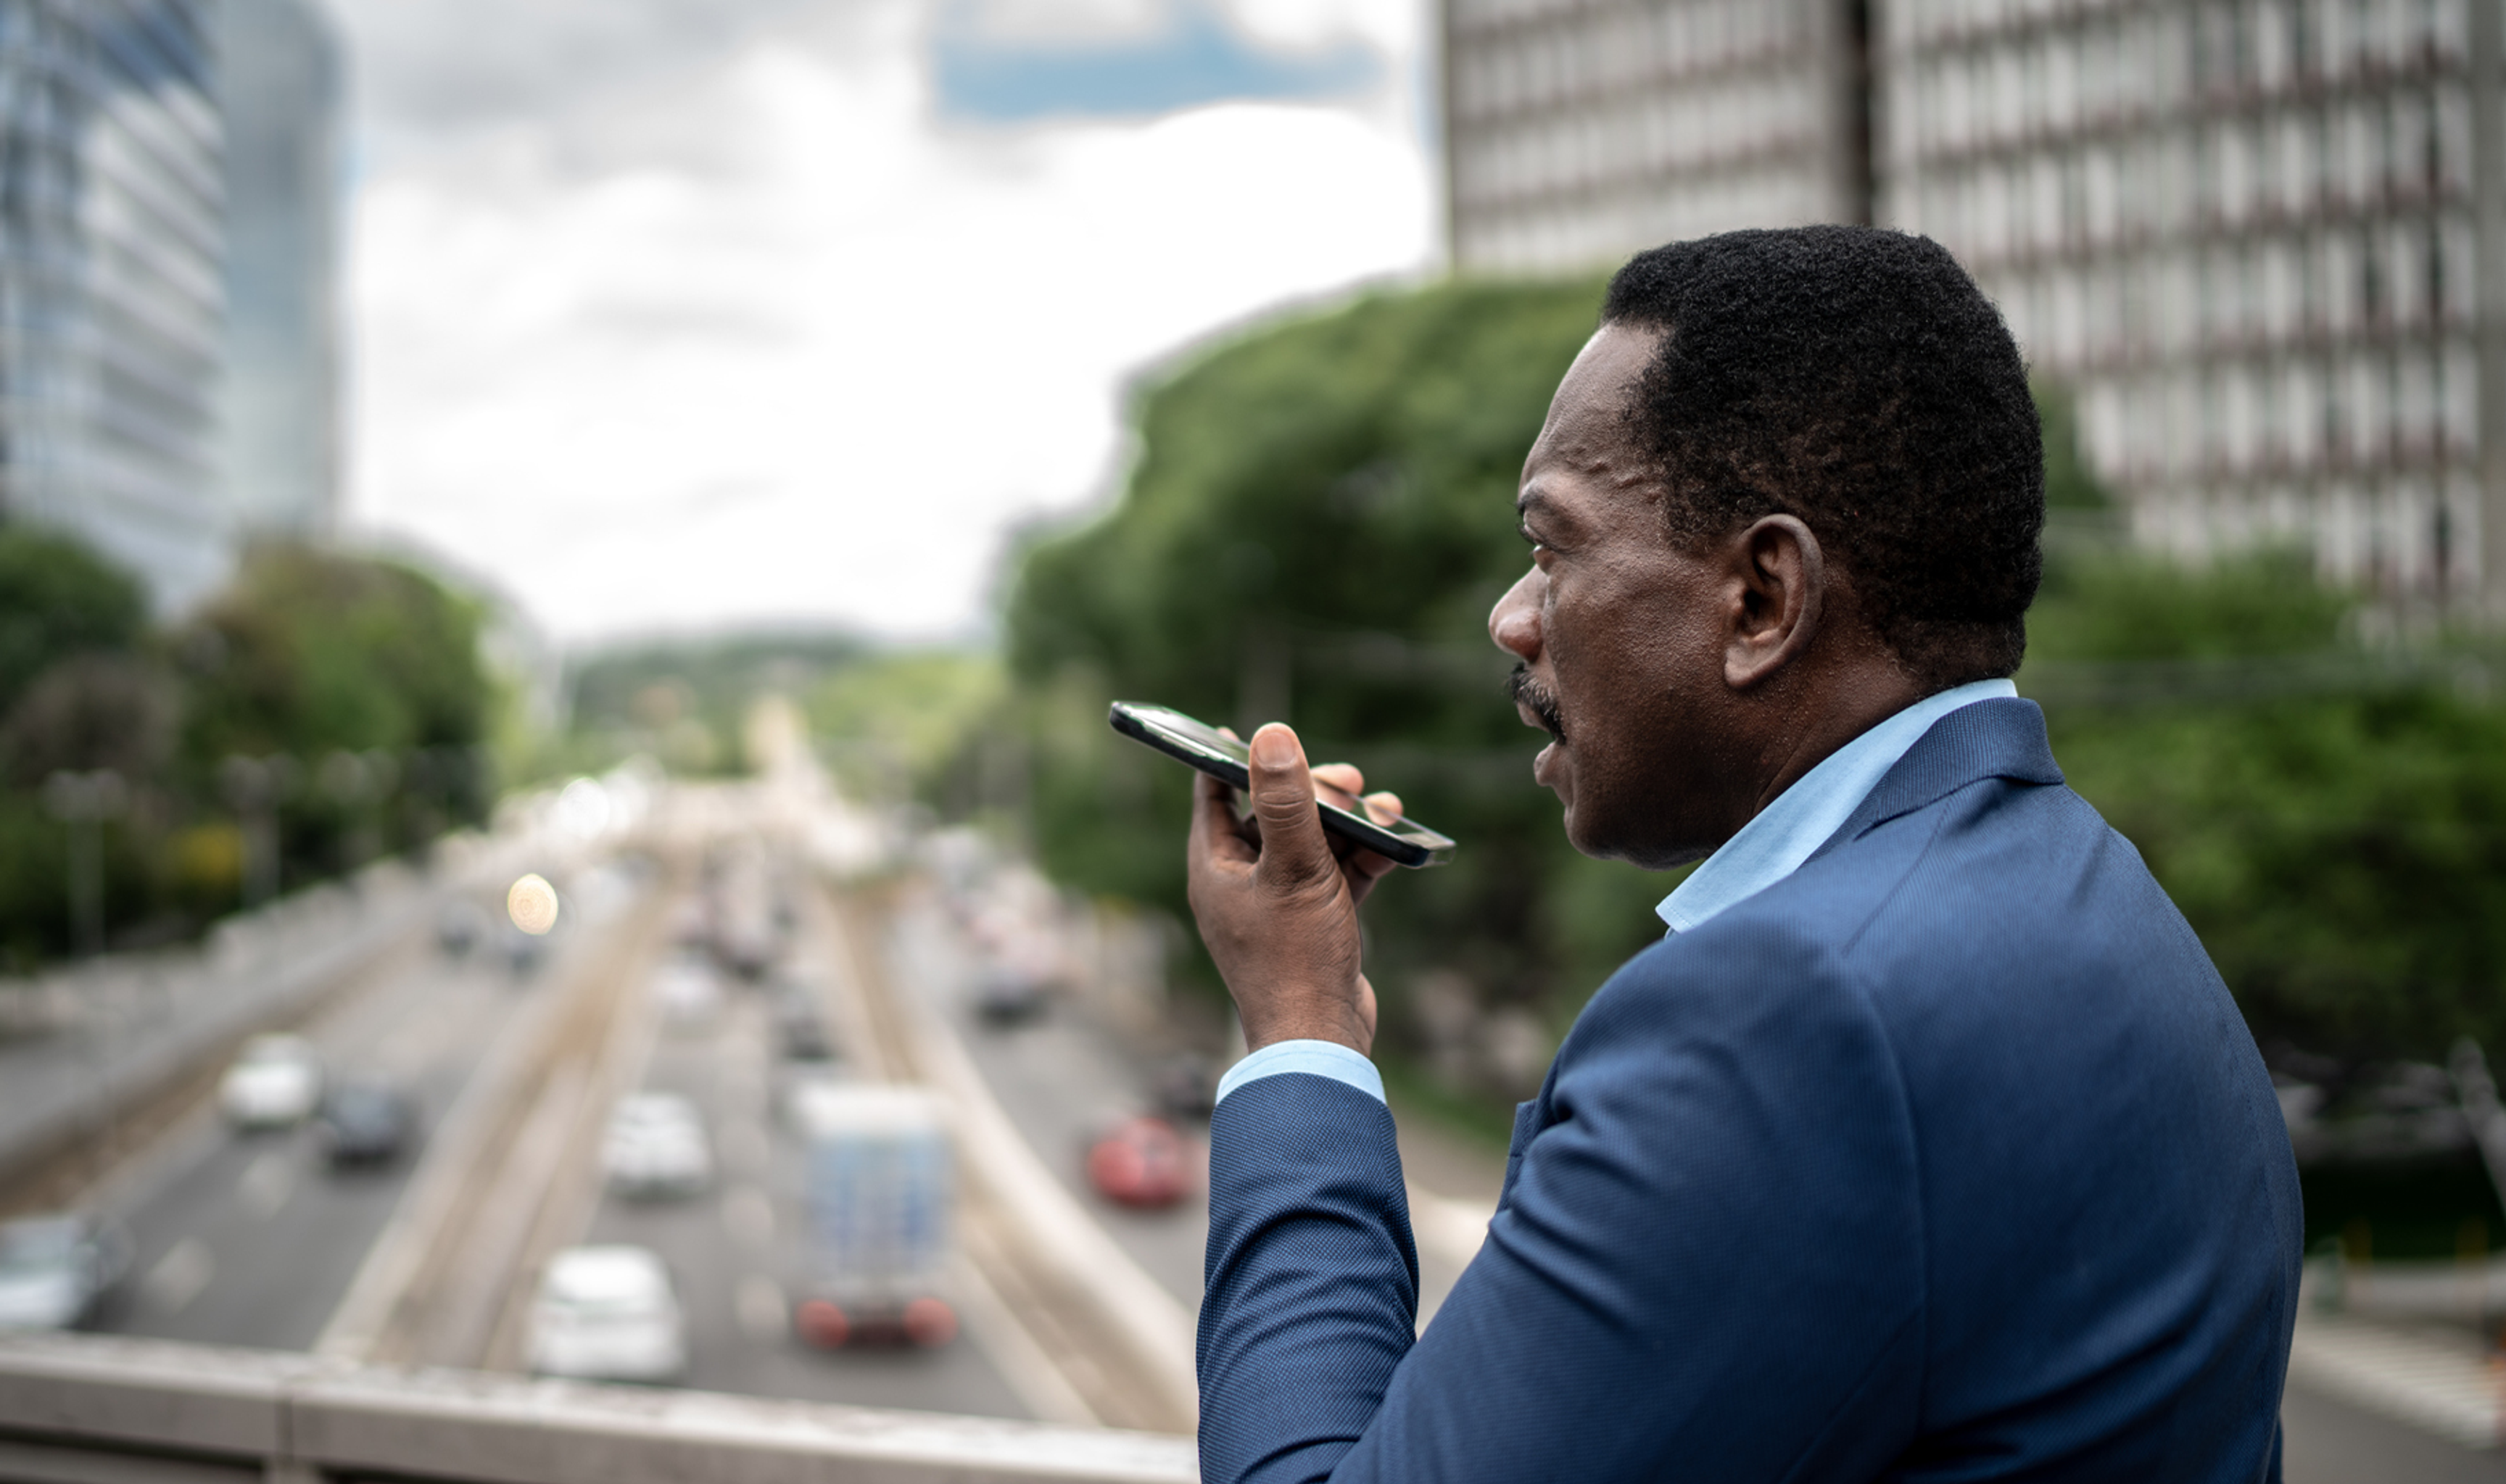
<point>733,1249</point>
<point>251,1239</point>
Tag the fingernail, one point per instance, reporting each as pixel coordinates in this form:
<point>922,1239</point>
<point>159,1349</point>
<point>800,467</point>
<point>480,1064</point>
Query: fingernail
<point>1274,747</point>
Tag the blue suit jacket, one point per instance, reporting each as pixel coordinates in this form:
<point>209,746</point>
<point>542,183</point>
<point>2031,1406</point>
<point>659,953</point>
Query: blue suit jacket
<point>1946,1158</point>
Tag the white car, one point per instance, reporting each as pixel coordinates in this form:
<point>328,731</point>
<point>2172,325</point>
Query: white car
<point>608,1314</point>
<point>274,1083</point>
<point>656,1145</point>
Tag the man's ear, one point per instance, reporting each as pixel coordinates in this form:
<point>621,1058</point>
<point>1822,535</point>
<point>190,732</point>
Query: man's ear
<point>1778,582</point>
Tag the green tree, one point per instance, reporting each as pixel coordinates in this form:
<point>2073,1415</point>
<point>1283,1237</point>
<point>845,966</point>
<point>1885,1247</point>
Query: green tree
<point>366,672</point>
<point>59,599</point>
<point>310,651</point>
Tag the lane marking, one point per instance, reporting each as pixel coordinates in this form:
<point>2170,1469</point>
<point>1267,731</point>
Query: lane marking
<point>179,1276</point>
<point>759,1303</point>
<point>266,1183</point>
<point>748,1215</point>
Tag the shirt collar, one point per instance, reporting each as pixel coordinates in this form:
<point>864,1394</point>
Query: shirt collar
<point>1773,845</point>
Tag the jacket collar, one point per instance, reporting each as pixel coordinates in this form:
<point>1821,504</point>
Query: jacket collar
<point>2003,738</point>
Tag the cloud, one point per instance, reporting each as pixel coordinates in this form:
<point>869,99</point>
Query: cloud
<point>732,325</point>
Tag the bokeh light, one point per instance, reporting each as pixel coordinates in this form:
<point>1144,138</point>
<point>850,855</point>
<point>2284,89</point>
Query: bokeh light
<point>532,904</point>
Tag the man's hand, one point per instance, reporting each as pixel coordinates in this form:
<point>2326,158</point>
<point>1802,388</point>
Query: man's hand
<point>1276,897</point>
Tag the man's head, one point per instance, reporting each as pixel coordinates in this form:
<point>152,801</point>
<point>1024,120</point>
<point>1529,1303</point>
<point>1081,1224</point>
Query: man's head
<point>1792,485</point>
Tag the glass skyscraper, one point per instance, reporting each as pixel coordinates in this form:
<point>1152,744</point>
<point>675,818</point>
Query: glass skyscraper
<point>281,80</point>
<point>111,282</point>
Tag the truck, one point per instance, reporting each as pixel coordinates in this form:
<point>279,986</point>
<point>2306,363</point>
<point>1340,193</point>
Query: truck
<point>880,1202</point>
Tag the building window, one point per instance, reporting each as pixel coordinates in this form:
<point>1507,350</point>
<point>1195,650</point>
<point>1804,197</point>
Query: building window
<point>2458,398</point>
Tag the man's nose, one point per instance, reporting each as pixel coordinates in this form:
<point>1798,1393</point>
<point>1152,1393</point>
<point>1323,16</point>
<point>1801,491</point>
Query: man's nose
<point>1515,623</point>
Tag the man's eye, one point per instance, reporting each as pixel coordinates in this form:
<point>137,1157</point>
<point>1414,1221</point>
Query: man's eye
<point>1529,540</point>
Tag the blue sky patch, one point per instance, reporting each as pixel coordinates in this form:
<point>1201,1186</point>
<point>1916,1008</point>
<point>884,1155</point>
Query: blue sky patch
<point>1195,58</point>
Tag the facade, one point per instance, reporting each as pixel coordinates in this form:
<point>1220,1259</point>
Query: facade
<point>281,80</point>
<point>2246,235</point>
<point>111,243</point>
<point>1576,131</point>
<point>2263,242</point>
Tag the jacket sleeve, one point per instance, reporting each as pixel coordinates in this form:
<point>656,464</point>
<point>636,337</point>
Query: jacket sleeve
<point>1707,1263</point>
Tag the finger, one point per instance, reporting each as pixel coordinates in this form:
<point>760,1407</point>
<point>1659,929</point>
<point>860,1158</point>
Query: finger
<point>1294,850</point>
<point>1214,834</point>
<point>1383,806</point>
<point>1341,777</point>
<point>1362,868</point>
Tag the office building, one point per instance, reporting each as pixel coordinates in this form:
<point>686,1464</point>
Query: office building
<point>111,251</point>
<point>1576,131</point>
<point>281,81</point>
<point>2249,235</point>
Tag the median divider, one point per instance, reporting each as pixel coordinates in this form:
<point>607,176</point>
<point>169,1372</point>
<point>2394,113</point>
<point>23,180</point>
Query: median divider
<point>453,1262</point>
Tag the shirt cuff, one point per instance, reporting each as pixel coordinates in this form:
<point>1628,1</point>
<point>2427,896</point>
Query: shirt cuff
<point>1322,1058</point>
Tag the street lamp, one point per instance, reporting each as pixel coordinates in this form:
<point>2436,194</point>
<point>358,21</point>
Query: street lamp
<point>253,788</point>
<point>84,802</point>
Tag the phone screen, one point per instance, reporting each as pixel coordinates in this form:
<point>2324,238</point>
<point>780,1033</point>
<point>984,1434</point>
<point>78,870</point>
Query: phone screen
<point>1204,746</point>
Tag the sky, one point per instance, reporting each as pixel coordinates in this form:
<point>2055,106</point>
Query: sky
<point>707,314</point>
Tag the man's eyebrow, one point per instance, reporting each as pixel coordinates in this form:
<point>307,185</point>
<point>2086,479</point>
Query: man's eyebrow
<point>1530,499</point>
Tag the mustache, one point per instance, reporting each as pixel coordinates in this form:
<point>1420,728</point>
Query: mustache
<point>1541,701</point>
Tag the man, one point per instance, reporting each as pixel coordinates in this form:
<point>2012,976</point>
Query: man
<point>1928,1145</point>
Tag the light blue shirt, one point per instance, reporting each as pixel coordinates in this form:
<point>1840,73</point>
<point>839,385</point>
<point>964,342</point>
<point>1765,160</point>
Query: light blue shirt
<point>1768,848</point>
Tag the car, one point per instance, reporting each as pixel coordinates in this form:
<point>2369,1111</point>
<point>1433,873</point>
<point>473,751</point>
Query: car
<point>275,1083</point>
<point>1185,1086</point>
<point>364,1123</point>
<point>801,1026</point>
<point>524,953</point>
<point>1140,1162</point>
<point>1008,996</point>
<point>655,1147</point>
<point>607,1313</point>
<point>689,993</point>
<point>459,927</point>
<point>56,1270</point>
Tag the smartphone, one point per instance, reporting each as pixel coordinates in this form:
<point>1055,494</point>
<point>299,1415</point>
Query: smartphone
<point>1171,732</point>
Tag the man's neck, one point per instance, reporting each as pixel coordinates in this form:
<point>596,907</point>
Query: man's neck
<point>1828,713</point>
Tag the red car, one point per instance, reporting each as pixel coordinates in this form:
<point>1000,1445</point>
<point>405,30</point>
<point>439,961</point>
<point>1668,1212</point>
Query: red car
<point>1141,1163</point>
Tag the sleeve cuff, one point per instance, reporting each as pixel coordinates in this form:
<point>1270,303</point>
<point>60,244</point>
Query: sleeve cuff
<point>1322,1058</point>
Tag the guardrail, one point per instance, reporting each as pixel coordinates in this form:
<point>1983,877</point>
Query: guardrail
<point>89,1409</point>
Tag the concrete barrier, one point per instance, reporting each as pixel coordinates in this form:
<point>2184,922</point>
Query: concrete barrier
<point>89,1409</point>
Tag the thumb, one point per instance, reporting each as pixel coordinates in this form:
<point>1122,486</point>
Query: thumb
<point>1293,848</point>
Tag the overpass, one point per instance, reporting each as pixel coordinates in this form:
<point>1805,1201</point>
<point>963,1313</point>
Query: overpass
<point>93,1409</point>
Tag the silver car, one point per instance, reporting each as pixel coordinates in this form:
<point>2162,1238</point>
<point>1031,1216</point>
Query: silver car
<point>54,1270</point>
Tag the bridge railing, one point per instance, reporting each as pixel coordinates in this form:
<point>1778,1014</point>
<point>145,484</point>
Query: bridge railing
<point>87,1409</point>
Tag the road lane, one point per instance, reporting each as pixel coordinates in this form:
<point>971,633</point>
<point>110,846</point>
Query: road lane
<point>735,1251</point>
<point>251,1239</point>
<point>1062,1081</point>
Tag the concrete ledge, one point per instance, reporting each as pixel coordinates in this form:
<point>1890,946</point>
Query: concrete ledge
<point>144,1393</point>
<point>88,1409</point>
